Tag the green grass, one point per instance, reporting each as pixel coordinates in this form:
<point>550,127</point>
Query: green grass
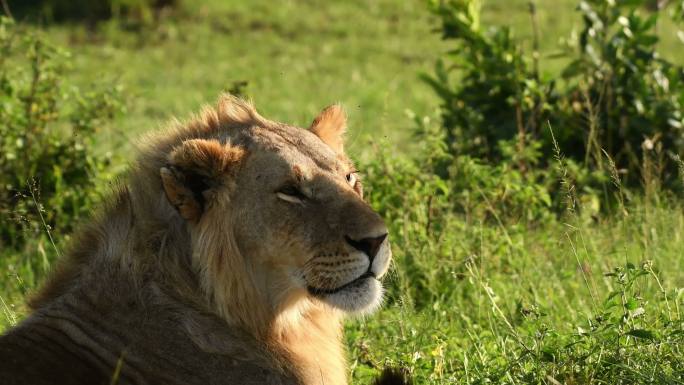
<point>481,297</point>
<point>478,303</point>
<point>471,299</point>
<point>296,57</point>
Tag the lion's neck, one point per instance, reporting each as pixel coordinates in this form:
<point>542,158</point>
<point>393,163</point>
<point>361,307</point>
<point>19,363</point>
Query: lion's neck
<point>313,344</point>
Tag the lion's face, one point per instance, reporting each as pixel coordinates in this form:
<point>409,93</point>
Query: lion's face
<point>306,224</point>
<point>292,202</point>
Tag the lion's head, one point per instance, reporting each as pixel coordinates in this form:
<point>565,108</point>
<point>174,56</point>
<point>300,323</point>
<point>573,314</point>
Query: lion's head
<point>275,213</point>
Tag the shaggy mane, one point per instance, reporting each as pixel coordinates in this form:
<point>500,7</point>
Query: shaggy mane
<point>133,211</point>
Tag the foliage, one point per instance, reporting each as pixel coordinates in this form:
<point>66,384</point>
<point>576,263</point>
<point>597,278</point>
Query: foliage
<point>47,129</point>
<point>477,301</point>
<point>618,94</point>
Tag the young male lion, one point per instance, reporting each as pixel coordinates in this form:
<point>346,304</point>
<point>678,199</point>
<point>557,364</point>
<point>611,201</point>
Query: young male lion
<point>229,256</point>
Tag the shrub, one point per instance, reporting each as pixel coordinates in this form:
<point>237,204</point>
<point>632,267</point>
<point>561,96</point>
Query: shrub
<point>48,167</point>
<point>617,95</point>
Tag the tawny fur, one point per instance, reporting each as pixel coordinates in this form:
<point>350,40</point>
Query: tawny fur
<point>166,277</point>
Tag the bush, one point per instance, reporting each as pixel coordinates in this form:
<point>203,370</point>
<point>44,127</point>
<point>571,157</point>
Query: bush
<point>47,128</point>
<point>617,97</point>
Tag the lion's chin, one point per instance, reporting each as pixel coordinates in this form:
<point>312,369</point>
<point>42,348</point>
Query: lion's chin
<point>363,297</point>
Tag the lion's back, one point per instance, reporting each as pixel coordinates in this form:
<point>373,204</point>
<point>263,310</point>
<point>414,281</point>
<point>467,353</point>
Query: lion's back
<point>69,346</point>
<point>31,356</point>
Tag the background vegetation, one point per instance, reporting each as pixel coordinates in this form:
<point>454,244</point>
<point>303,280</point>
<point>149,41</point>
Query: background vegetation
<point>527,159</point>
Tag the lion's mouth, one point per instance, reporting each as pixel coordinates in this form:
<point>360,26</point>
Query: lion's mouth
<point>318,291</point>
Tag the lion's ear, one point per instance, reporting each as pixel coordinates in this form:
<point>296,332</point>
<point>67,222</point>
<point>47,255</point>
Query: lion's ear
<point>330,125</point>
<point>195,167</point>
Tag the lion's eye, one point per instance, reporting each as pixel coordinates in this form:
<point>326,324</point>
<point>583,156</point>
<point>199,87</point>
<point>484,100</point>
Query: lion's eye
<point>291,193</point>
<point>351,179</point>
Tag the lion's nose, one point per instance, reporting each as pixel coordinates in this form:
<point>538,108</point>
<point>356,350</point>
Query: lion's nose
<point>370,246</point>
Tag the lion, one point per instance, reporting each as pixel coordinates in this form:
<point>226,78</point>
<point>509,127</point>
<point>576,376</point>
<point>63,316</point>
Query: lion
<point>230,254</point>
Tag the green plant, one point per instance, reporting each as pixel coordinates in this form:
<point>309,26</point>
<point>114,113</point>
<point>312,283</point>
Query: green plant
<point>497,93</point>
<point>631,97</point>
<point>480,295</point>
<point>49,168</point>
<point>478,298</point>
<point>618,95</point>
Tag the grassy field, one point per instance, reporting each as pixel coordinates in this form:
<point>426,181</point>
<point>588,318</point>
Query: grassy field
<point>574,300</point>
<point>295,57</point>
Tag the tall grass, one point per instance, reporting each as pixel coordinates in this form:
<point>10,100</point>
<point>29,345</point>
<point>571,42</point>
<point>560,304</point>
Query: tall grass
<point>572,300</point>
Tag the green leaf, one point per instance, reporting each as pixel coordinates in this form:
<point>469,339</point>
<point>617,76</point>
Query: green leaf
<point>632,304</point>
<point>648,39</point>
<point>642,333</point>
<point>573,69</point>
